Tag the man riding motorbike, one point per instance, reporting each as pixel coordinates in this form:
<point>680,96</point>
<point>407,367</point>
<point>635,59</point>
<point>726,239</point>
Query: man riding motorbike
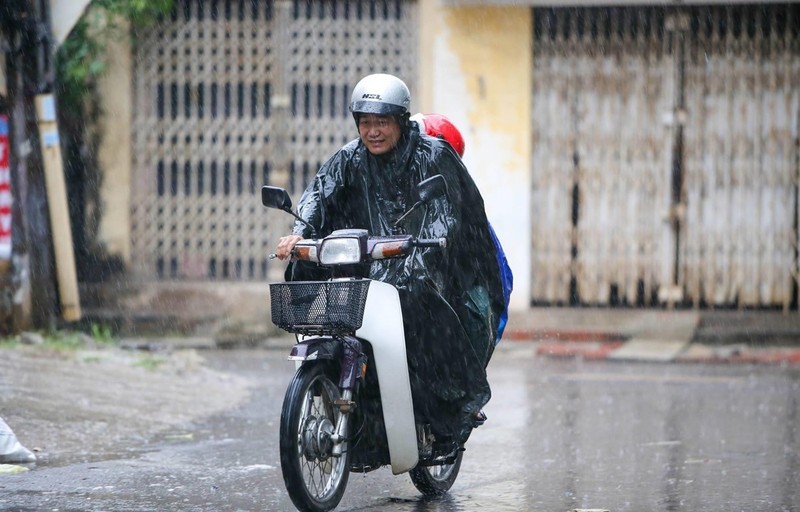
<point>451,299</point>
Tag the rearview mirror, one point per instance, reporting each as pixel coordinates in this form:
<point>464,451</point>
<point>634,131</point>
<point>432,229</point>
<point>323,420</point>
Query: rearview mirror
<point>431,188</point>
<point>276,197</point>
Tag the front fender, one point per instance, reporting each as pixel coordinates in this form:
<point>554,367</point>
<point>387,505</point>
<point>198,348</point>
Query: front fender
<point>312,349</point>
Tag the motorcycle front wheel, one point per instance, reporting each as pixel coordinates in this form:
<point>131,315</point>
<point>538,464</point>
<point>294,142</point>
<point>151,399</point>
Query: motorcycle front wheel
<point>436,480</point>
<point>314,477</point>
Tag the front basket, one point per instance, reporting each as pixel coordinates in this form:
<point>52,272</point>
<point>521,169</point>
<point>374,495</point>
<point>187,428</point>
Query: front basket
<point>315,307</point>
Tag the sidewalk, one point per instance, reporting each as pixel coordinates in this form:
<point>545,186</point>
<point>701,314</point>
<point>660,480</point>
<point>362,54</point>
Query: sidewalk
<point>766,337</point>
<point>758,337</point>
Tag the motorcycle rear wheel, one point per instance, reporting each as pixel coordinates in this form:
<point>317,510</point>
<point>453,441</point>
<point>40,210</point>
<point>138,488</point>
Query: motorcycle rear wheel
<point>314,478</point>
<point>436,480</point>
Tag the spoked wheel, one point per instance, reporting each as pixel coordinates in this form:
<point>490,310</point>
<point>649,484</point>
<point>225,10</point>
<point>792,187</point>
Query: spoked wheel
<point>436,480</point>
<point>314,477</point>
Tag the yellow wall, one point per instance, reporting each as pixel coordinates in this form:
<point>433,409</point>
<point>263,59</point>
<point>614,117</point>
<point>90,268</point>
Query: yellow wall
<point>476,68</point>
<point>115,152</point>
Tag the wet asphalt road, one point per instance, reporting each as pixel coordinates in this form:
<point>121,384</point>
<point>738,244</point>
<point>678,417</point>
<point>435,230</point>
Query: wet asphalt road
<point>561,435</point>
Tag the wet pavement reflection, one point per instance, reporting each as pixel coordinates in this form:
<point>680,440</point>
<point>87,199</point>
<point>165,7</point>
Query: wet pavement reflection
<point>566,435</point>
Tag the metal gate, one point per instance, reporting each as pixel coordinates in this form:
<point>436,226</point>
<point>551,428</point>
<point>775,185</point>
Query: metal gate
<point>665,155</point>
<point>741,156</point>
<point>602,84</point>
<point>230,95</point>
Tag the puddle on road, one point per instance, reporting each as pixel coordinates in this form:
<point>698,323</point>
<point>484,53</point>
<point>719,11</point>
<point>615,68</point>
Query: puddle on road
<point>640,378</point>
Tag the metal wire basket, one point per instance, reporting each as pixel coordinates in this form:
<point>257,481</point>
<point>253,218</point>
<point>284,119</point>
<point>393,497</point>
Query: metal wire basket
<point>306,307</point>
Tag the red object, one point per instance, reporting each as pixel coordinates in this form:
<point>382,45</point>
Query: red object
<point>5,192</point>
<point>437,125</point>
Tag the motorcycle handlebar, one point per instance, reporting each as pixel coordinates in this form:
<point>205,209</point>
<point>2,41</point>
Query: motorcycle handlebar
<point>393,249</point>
<point>431,242</point>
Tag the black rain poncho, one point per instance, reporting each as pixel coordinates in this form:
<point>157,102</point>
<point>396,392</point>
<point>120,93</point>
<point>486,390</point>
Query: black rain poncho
<point>451,298</point>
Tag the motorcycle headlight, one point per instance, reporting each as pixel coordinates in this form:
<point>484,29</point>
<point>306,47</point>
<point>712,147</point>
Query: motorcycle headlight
<point>340,251</point>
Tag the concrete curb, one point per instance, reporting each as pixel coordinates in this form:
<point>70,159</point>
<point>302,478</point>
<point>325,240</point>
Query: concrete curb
<point>565,335</point>
<point>741,354</point>
<point>170,343</point>
<point>596,345</point>
<point>660,335</point>
<point>588,333</point>
<point>591,350</point>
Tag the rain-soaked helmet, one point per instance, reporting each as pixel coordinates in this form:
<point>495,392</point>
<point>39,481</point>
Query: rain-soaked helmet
<point>380,94</point>
<point>437,125</point>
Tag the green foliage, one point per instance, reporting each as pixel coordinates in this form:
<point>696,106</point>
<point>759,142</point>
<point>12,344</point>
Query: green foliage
<point>63,341</point>
<point>140,12</point>
<point>9,341</point>
<point>103,334</point>
<point>81,59</point>
<point>79,64</point>
<point>150,362</point>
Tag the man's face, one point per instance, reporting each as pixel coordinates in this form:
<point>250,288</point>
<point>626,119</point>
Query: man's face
<point>378,133</point>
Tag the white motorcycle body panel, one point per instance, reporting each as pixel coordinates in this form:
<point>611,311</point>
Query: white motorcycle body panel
<point>383,328</point>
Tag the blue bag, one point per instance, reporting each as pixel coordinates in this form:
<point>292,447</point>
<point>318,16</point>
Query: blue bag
<point>506,279</point>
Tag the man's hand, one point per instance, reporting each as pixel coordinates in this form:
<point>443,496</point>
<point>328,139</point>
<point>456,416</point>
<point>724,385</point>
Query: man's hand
<point>285,246</point>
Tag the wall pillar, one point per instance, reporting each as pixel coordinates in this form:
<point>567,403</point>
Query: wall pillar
<point>114,158</point>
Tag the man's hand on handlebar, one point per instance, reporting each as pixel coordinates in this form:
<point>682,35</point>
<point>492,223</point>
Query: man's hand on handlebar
<point>285,246</point>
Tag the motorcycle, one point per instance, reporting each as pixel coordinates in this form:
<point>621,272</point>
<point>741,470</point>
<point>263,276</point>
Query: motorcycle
<point>349,405</point>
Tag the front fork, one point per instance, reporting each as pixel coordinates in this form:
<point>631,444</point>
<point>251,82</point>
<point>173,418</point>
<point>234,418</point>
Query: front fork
<point>353,366</point>
<point>339,435</point>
